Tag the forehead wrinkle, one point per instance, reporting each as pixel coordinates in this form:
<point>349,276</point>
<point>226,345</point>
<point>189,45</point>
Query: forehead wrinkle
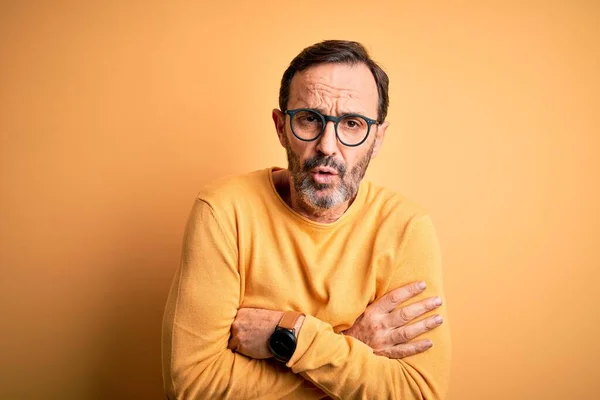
<point>321,90</point>
<point>323,97</point>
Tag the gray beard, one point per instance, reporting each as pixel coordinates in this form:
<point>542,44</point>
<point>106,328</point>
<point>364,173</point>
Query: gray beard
<point>308,190</point>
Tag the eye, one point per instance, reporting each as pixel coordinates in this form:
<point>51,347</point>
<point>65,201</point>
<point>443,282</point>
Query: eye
<point>352,123</point>
<point>307,118</point>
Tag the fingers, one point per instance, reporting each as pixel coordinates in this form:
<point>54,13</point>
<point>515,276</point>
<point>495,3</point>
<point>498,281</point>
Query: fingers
<point>407,333</point>
<point>392,299</point>
<point>407,313</point>
<point>406,349</point>
<point>401,337</point>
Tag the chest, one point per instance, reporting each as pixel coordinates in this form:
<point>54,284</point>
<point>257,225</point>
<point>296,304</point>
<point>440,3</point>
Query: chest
<point>332,275</point>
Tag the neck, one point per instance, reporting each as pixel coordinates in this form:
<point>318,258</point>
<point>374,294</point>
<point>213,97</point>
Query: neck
<point>285,187</point>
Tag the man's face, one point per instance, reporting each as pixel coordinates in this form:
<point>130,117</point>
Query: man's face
<point>325,172</point>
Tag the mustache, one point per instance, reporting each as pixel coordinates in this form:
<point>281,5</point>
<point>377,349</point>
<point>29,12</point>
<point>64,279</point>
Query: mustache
<point>323,161</point>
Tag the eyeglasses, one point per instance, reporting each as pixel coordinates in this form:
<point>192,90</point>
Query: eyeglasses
<point>351,129</point>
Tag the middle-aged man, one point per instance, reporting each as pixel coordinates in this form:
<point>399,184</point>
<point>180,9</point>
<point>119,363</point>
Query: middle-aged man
<point>295,283</point>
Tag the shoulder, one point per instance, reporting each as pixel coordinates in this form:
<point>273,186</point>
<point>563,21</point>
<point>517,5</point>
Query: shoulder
<point>390,205</point>
<point>228,191</point>
<point>234,201</point>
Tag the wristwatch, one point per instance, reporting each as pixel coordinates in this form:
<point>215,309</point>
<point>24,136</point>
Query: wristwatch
<point>282,342</point>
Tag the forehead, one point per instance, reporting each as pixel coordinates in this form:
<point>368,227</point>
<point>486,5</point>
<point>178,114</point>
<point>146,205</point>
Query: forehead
<point>335,88</point>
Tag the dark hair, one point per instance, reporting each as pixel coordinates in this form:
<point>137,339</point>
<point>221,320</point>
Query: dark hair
<point>340,52</point>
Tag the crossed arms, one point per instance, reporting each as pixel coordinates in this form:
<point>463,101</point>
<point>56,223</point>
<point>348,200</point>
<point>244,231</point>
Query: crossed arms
<point>370,361</point>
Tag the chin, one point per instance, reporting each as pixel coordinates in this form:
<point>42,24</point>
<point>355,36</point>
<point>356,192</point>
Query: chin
<point>324,199</point>
<point>323,187</point>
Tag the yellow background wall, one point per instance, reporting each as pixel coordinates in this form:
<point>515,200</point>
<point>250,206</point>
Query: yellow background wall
<point>113,114</point>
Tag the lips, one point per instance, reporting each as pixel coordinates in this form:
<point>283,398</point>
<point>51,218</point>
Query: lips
<point>324,171</point>
<point>324,175</point>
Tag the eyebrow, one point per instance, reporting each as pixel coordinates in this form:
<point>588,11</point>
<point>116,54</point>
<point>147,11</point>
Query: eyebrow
<point>344,112</point>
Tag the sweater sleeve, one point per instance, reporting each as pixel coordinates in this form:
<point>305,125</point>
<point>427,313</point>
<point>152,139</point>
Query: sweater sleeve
<point>346,368</point>
<point>200,309</point>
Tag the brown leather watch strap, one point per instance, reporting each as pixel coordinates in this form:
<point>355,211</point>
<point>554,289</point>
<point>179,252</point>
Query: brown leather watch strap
<point>288,321</point>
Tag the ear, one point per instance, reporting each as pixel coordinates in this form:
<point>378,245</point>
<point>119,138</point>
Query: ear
<point>379,135</point>
<point>279,120</point>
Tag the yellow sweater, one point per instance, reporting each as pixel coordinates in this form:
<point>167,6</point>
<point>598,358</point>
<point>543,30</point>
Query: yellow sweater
<point>244,247</point>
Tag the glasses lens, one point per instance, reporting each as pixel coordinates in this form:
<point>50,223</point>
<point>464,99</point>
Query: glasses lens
<point>352,130</point>
<point>307,125</point>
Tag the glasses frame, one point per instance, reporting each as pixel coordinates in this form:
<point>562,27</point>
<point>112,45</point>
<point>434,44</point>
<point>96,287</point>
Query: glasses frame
<point>327,118</point>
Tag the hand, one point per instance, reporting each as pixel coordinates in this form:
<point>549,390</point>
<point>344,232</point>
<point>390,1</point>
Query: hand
<point>387,330</point>
<point>251,330</point>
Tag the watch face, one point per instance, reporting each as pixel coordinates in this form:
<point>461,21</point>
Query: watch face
<point>282,344</point>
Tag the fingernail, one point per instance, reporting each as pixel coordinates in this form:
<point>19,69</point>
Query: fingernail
<point>438,319</point>
<point>428,343</point>
<point>422,285</point>
<point>437,301</point>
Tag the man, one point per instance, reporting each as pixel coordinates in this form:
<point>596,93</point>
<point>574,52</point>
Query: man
<point>294,284</point>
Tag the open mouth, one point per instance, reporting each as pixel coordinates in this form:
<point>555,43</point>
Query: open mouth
<point>324,171</point>
<point>324,175</point>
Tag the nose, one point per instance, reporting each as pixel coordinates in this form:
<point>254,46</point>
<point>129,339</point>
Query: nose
<point>327,142</point>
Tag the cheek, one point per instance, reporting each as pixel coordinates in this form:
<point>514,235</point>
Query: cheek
<point>350,157</point>
<point>302,150</point>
